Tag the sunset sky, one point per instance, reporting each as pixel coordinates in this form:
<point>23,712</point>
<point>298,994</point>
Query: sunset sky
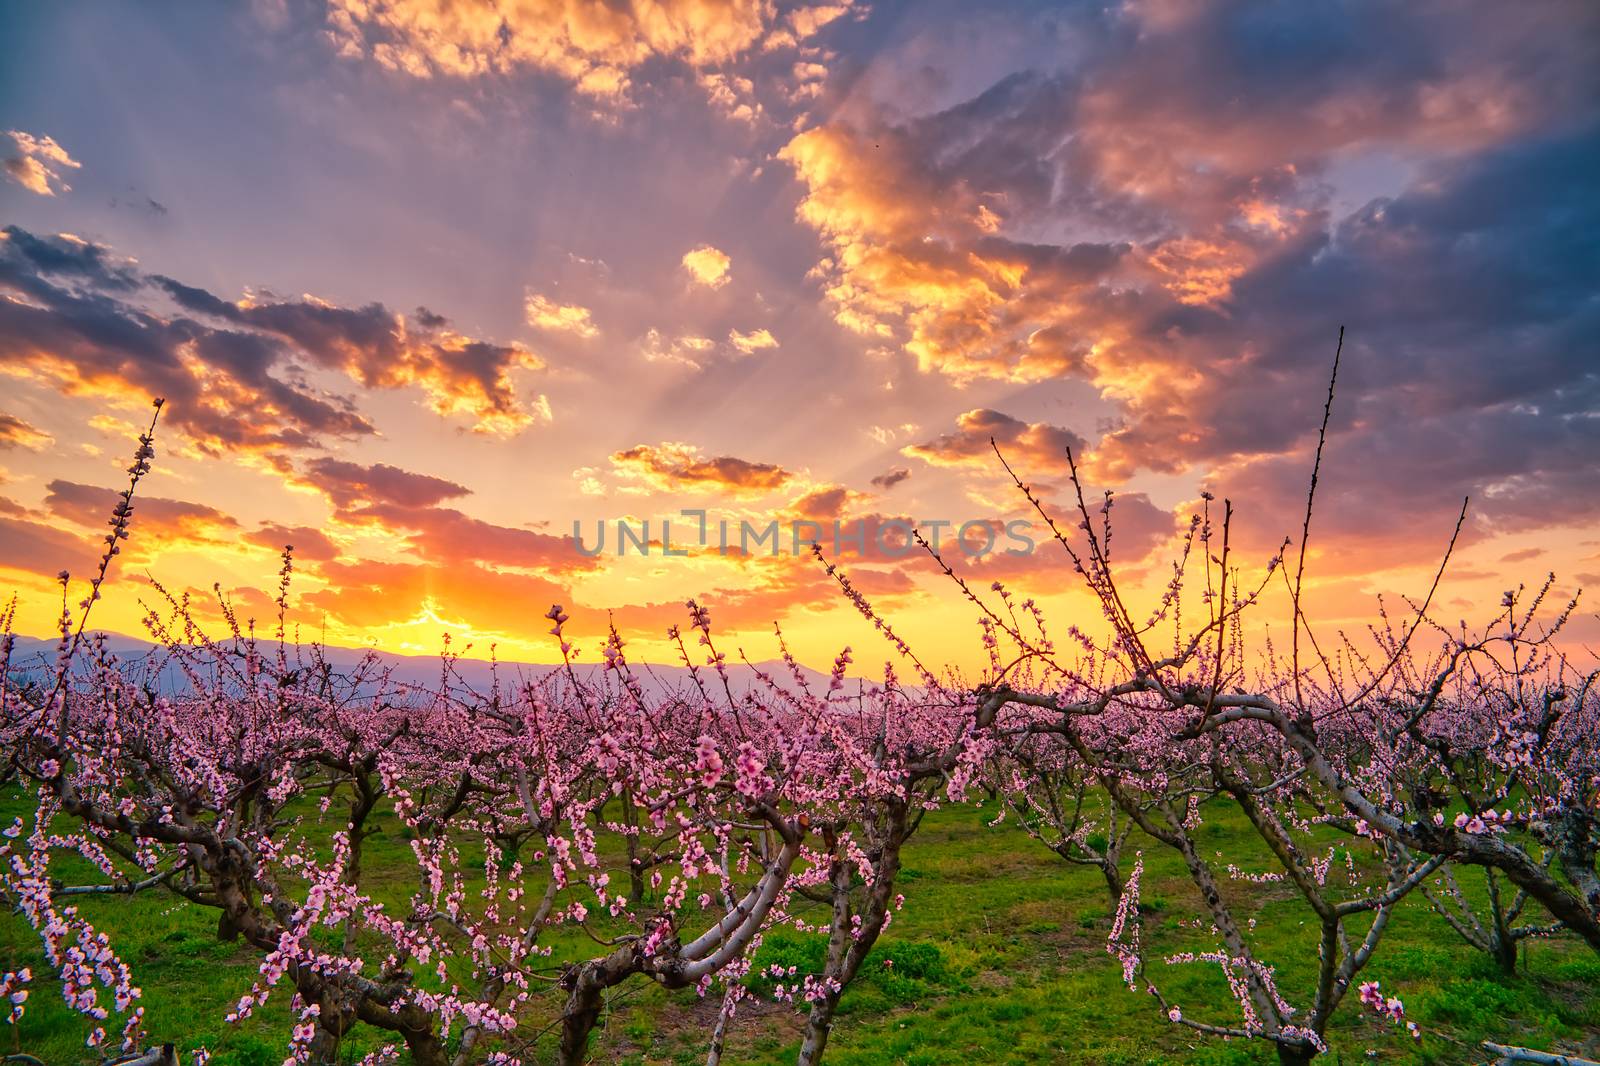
<point>426,281</point>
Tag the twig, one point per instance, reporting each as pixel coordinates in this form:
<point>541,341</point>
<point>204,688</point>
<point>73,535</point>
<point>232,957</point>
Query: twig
<point>1305,529</point>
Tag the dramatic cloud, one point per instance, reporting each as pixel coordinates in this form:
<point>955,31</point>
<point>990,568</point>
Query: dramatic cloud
<point>380,349</point>
<point>235,373</point>
<point>594,46</point>
<point>406,504</point>
<point>37,163</point>
<point>545,313</point>
<point>1185,217</point>
<point>672,466</point>
<point>913,258</point>
<point>707,266</point>
<point>155,518</point>
<point>15,433</point>
<point>1133,229</point>
<point>1030,447</point>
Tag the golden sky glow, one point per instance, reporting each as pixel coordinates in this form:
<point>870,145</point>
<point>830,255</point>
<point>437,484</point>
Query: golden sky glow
<point>425,284</point>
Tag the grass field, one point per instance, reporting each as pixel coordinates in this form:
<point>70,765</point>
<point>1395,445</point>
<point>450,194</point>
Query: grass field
<point>998,957</point>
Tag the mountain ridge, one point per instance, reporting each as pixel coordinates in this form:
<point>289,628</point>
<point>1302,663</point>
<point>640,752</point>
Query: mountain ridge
<point>36,654</point>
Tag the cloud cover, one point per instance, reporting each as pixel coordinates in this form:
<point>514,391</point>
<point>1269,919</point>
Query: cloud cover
<point>1133,229</point>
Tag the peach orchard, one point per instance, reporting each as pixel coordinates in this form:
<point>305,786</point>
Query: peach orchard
<point>675,831</point>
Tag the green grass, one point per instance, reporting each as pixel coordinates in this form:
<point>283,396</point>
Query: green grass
<point>998,957</point>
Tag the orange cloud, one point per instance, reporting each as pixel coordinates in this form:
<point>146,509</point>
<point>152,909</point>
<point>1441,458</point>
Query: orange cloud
<point>708,266</point>
<point>1030,447</point>
<point>15,433</point>
<point>592,45</point>
<point>802,23</point>
<point>672,466</point>
<point>155,518</point>
<point>915,259</point>
<point>826,503</point>
<point>460,375</point>
<point>1199,271</point>
<point>38,163</point>
<point>545,313</point>
<point>754,341</point>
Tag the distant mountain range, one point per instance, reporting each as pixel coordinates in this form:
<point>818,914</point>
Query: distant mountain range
<point>32,656</point>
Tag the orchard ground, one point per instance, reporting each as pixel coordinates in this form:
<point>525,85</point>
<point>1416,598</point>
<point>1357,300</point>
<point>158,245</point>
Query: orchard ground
<point>997,957</point>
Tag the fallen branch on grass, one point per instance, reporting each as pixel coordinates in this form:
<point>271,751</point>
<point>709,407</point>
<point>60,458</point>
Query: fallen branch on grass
<point>1542,1058</point>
